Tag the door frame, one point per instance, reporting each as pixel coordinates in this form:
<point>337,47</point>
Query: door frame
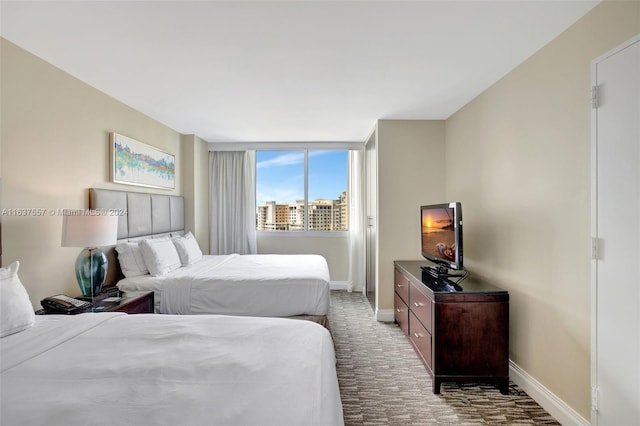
<point>370,217</point>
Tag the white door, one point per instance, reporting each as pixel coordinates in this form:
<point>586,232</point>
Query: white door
<point>616,230</point>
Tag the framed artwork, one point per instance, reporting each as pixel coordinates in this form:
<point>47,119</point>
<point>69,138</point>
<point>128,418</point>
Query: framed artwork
<point>136,163</point>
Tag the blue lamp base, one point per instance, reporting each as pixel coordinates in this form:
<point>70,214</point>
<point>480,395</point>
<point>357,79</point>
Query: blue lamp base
<point>91,271</point>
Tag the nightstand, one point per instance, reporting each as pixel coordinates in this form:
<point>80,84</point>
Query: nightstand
<point>131,302</point>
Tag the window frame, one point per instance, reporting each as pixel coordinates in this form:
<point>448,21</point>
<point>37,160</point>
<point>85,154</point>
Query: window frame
<point>306,231</point>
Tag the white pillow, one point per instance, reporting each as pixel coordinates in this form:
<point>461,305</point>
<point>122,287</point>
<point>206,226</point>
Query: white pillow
<point>16,310</point>
<point>188,249</point>
<point>131,260</point>
<point>160,255</point>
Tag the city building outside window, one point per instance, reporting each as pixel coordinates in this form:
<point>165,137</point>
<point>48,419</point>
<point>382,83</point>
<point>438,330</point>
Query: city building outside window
<point>302,190</point>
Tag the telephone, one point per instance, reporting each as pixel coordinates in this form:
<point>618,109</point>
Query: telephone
<point>63,304</point>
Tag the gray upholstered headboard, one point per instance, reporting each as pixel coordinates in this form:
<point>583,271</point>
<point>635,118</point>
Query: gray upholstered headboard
<point>144,215</point>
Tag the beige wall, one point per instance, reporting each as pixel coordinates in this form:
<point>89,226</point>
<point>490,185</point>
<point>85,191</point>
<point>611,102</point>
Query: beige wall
<point>518,158</point>
<point>335,250</point>
<point>411,172</point>
<point>195,183</point>
<point>55,145</point>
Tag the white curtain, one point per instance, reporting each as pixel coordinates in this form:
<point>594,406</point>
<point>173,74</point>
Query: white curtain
<point>232,202</point>
<point>356,222</point>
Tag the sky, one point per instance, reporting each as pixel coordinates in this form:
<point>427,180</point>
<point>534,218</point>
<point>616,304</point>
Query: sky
<point>280,175</point>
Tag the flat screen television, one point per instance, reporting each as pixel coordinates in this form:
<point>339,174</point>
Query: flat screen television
<point>441,226</point>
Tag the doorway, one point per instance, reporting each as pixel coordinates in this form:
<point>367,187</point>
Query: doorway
<point>371,192</point>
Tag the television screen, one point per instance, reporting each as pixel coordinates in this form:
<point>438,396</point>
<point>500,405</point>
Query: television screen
<point>442,234</point>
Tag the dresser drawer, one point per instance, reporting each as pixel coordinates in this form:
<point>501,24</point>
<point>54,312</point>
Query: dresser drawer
<point>402,286</point>
<point>421,306</point>
<point>401,314</point>
<point>421,339</point>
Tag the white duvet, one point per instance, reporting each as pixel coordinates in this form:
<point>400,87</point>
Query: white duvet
<point>118,369</point>
<point>254,285</point>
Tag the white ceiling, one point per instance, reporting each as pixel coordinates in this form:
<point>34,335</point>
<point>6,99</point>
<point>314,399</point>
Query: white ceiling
<point>288,71</point>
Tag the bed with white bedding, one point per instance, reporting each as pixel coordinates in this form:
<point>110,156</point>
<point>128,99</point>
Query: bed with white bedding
<point>118,369</point>
<point>254,285</point>
<point>188,283</point>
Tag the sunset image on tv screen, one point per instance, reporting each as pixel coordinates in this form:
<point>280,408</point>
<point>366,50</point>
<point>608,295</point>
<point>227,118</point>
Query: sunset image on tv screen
<point>438,238</point>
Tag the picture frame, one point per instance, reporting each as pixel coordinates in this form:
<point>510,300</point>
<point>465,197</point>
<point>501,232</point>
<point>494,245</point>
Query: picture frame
<point>136,163</point>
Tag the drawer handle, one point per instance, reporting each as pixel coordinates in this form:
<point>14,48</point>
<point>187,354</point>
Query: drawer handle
<point>418,304</point>
<point>418,335</point>
<point>399,285</point>
<point>398,310</point>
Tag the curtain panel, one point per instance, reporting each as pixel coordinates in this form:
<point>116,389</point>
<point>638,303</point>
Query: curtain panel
<point>232,202</point>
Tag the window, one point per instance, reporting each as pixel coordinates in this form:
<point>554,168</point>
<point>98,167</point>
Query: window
<point>302,190</point>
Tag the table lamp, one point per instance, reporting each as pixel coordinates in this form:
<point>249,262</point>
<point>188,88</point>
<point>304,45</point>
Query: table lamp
<point>90,230</point>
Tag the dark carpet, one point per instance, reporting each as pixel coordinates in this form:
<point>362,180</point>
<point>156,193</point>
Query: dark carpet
<point>382,381</point>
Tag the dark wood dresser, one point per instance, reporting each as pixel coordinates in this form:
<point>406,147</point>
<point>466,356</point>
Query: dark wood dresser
<point>461,333</point>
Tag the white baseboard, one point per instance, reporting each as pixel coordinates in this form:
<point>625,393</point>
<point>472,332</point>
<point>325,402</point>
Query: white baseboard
<point>339,285</point>
<point>547,399</point>
<point>385,315</point>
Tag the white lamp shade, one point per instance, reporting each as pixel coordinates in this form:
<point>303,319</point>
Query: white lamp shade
<point>89,230</point>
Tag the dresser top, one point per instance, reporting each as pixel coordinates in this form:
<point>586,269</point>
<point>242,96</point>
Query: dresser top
<point>446,285</point>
